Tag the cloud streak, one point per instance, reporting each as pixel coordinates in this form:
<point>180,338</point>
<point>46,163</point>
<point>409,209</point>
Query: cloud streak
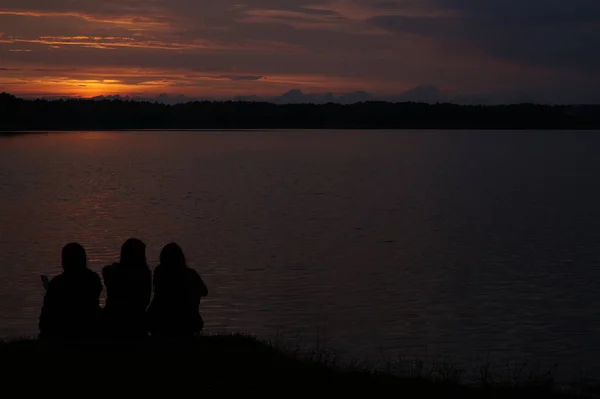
<point>107,43</point>
<point>117,20</point>
<point>237,78</point>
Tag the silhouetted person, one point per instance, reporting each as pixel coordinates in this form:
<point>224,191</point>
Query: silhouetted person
<point>128,290</point>
<point>71,306</point>
<point>177,292</point>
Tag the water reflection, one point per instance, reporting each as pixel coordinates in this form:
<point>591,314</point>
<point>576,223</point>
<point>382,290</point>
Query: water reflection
<point>459,244</point>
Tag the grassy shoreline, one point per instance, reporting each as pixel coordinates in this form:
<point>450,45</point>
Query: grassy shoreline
<point>227,363</point>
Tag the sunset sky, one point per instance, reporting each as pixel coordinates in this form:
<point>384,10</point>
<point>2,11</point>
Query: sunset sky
<point>542,50</point>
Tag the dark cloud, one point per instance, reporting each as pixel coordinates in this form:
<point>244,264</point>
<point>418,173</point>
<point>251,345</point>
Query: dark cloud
<point>314,11</point>
<point>546,33</point>
<point>422,26</point>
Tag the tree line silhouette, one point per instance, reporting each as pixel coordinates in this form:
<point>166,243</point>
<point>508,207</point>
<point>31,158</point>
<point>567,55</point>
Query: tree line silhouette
<point>79,114</point>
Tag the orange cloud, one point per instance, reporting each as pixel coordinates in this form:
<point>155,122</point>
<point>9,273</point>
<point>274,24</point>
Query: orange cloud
<point>108,42</point>
<point>119,20</point>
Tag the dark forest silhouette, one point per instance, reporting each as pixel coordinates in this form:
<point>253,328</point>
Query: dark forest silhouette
<point>77,114</point>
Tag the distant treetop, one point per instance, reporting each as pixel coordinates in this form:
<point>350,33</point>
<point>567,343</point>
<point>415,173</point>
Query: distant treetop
<point>77,114</point>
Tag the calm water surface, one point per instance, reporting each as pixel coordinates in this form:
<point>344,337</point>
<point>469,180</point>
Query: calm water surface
<point>465,245</point>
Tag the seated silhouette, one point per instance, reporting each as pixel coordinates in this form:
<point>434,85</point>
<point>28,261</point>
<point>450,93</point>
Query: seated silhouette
<point>128,291</point>
<point>71,306</point>
<point>177,293</point>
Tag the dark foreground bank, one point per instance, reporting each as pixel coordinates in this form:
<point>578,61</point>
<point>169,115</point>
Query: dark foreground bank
<point>237,364</point>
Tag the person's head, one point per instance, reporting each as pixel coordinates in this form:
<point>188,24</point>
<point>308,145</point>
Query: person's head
<point>133,252</point>
<point>172,256</point>
<point>74,257</point>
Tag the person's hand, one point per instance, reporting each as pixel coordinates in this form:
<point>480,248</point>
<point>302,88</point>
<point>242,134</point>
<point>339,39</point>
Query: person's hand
<point>45,281</point>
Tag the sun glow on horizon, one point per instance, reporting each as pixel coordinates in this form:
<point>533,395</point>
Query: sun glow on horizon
<point>81,88</point>
<point>95,81</point>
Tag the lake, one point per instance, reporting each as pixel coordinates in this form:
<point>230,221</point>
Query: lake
<point>461,245</point>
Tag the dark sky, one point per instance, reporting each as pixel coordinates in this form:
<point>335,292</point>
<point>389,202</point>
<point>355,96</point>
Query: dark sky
<point>535,50</point>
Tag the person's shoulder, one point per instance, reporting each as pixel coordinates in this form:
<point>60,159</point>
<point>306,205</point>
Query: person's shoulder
<point>193,274</point>
<point>110,268</point>
<point>92,274</point>
<point>147,270</point>
<point>93,278</point>
<point>57,280</point>
<point>159,270</point>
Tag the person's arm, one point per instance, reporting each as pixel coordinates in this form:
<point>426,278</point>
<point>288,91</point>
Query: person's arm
<point>45,281</point>
<point>99,286</point>
<point>202,287</point>
<point>48,308</point>
<point>107,272</point>
<point>149,286</point>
